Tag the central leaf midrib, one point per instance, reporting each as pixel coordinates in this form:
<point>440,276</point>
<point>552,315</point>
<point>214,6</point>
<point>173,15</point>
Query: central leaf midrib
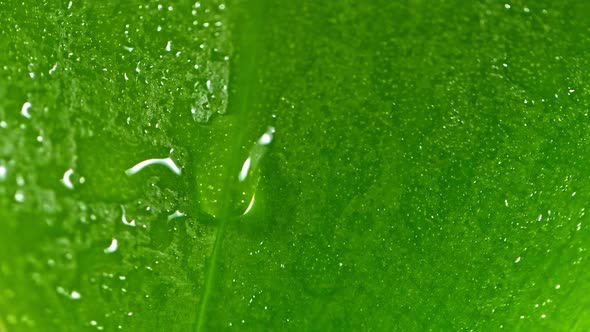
<point>248,23</point>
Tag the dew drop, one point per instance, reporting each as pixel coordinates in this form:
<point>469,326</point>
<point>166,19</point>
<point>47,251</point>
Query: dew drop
<point>24,111</point>
<point>168,162</point>
<point>3,172</point>
<point>52,70</point>
<point>176,214</point>
<point>112,247</point>
<point>66,179</point>
<point>74,295</point>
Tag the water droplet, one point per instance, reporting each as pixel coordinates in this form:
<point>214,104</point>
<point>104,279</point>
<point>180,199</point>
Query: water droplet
<point>112,247</point>
<point>256,153</point>
<point>66,180</point>
<point>74,295</point>
<point>52,70</point>
<point>245,169</point>
<point>19,196</point>
<point>168,162</point>
<point>250,205</point>
<point>3,172</point>
<point>267,137</point>
<point>124,218</point>
<point>25,110</point>
<point>176,214</point>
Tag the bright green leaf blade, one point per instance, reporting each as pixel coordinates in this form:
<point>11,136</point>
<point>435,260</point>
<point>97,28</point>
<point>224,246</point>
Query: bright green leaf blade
<point>426,174</point>
<point>88,90</point>
<point>427,170</point>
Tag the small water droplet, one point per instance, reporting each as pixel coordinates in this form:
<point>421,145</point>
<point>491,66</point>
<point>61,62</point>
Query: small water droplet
<point>168,162</point>
<point>124,218</point>
<point>74,295</point>
<point>3,172</point>
<point>176,214</point>
<point>66,179</point>
<point>53,69</point>
<point>25,110</point>
<point>112,247</point>
<point>19,196</point>
<point>245,169</point>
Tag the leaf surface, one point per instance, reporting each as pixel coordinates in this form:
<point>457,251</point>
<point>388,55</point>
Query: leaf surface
<point>426,169</point>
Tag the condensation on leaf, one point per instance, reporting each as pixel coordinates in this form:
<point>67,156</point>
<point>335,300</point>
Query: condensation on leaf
<point>87,91</point>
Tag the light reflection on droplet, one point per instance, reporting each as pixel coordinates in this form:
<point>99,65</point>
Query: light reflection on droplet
<point>24,111</point>
<point>3,172</point>
<point>74,295</point>
<point>257,152</point>
<point>250,205</point>
<point>19,196</point>
<point>53,69</point>
<point>112,247</point>
<point>124,218</point>
<point>176,214</point>
<point>245,169</point>
<point>168,162</point>
<point>267,137</point>
<point>66,180</point>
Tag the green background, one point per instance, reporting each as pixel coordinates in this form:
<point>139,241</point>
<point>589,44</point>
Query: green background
<point>428,170</point>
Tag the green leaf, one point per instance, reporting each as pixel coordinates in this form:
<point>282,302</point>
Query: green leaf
<point>413,166</point>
